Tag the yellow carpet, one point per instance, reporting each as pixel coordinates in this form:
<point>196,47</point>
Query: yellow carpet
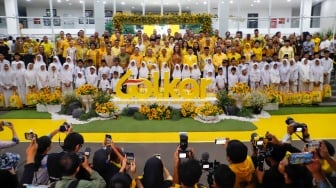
<point>321,126</point>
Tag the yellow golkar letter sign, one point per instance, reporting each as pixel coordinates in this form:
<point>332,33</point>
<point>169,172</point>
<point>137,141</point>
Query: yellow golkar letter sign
<point>169,88</point>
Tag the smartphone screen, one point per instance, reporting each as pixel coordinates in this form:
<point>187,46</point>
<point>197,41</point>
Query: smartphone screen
<point>87,152</point>
<point>220,141</point>
<point>30,136</point>
<point>157,155</point>
<point>108,139</point>
<point>130,157</point>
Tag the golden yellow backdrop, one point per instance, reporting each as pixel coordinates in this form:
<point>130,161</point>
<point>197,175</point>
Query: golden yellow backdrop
<point>161,28</point>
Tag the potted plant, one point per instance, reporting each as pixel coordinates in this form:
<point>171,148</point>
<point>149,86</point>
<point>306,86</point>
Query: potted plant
<point>208,112</point>
<point>257,101</point>
<point>273,98</point>
<point>225,103</point>
<point>238,93</point>
<point>86,92</point>
<point>104,107</point>
<point>54,101</point>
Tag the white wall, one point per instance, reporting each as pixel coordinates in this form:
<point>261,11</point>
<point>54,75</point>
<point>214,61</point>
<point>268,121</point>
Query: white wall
<point>328,9</point>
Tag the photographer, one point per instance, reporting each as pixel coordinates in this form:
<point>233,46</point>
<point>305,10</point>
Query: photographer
<point>294,127</point>
<point>107,161</point>
<point>29,168</point>
<point>240,163</point>
<point>72,144</point>
<point>190,173</point>
<point>70,164</point>
<point>123,179</point>
<point>15,140</point>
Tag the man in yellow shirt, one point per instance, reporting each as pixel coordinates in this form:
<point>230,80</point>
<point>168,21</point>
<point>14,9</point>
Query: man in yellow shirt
<point>204,56</point>
<point>150,59</point>
<point>164,58</point>
<point>66,44</point>
<point>47,46</point>
<point>257,51</point>
<point>286,49</point>
<point>115,49</point>
<point>190,58</point>
<point>218,58</point>
<point>137,57</point>
<point>317,41</point>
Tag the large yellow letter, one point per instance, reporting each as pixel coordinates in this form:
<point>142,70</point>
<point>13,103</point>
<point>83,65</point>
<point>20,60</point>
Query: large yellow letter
<point>204,83</point>
<point>149,89</point>
<point>169,87</point>
<point>194,93</point>
<point>121,81</point>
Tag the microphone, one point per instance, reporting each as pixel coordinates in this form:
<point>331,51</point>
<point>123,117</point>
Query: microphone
<point>205,157</point>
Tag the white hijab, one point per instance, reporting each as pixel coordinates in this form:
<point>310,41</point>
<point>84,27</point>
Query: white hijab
<point>143,71</point>
<point>66,74</point>
<point>195,72</point>
<point>38,63</point>
<point>133,67</point>
<point>80,81</point>
<point>6,77</point>
<point>164,69</point>
<point>186,71</point>
<point>177,72</point>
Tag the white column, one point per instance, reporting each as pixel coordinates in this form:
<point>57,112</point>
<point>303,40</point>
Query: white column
<point>161,7</point>
<point>99,16</point>
<point>12,14</point>
<point>209,6</point>
<point>238,16</point>
<point>223,16</point>
<point>114,7</point>
<point>143,4</point>
<point>305,13</point>
<point>269,15</point>
<point>52,19</point>
<point>180,7</point>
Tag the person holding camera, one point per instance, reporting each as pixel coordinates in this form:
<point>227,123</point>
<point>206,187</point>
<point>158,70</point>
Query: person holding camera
<point>72,144</point>
<point>107,161</point>
<point>124,178</point>
<point>224,177</point>
<point>293,128</point>
<point>14,141</point>
<point>70,164</point>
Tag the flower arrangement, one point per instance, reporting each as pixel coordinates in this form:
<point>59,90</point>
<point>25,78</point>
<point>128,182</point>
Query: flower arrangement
<point>156,112</point>
<point>108,108</point>
<point>272,94</point>
<point>240,89</point>
<point>205,19</point>
<point>208,109</point>
<point>86,89</point>
<point>44,96</point>
<point>257,100</point>
<point>188,109</point>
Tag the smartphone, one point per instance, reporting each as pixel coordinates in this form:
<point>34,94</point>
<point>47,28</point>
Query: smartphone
<point>157,155</point>
<point>129,157</point>
<point>220,141</point>
<point>30,135</point>
<point>108,139</point>
<point>87,152</point>
<point>301,158</point>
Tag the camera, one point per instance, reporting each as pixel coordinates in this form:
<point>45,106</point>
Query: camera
<point>183,141</point>
<point>157,155</point>
<point>64,127</point>
<point>209,167</point>
<point>30,135</point>
<point>313,145</point>
<point>259,144</point>
<point>129,157</point>
<point>108,139</point>
<point>220,141</point>
<point>297,127</point>
<point>86,153</point>
<point>300,158</point>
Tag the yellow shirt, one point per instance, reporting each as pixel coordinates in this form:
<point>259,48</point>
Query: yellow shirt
<point>317,42</point>
<point>235,55</point>
<point>115,51</point>
<point>202,62</point>
<point>64,46</point>
<point>81,53</point>
<point>258,53</point>
<point>137,58</point>
<point>189,59</point>
<point>286,50</point>
<point>218,59</point>
<point>48,48</point>
<point>165,59</point>
<point>94,55</point>
<point>150,61</point>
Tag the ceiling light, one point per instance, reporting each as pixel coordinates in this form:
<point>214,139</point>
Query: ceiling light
<point>231,2</point>
<point>59,1</point>
<point>104,2</point>
<point>66,0</point>
<point>204,2</point>
<point>123,3</point>
<point>288,0</point>
<point>222,2</point>
<point>70,4</point>
<point>252,5</point>
<point>28,0</point>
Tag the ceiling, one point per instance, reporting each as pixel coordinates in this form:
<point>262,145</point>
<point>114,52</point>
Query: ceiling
<point>171,5</point>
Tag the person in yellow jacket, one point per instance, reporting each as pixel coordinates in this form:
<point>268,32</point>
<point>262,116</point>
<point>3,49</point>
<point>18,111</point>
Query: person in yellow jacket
<point>241,164</point>
<point>218,58</point>
<point>190,58</point>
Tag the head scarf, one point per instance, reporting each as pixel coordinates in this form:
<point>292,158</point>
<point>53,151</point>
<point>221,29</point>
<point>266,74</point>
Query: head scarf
<point>153,173</point>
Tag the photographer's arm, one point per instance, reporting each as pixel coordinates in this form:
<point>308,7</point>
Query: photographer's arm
<point>96,179</point>
<point>116,151</point>
<point>29,168</point>
<point>323,151</point>
<point>15,140</point>
<point>176,165</point>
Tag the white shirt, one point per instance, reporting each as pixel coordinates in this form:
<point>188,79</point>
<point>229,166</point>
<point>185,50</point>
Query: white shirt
<point>232,79</point>
<point>304,72</point>
<point>327,65</point>
<point>255,75</point>
<point>220,81</point>
<point>275,76</point>
<point>104,85</point>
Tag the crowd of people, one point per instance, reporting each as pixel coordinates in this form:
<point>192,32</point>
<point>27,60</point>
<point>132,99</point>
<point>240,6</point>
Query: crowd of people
<point>288,63</point>
<point>112,167</point>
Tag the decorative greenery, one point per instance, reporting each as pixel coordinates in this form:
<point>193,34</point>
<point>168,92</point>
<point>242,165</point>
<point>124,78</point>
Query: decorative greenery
<point>272,94</point>
<point>188,109</point>
<point>67,100</point>
<point>208,109</point>
<point>223,99</point>
<point>87,116</point>
<point>240,89</point>
<point>139,116</point>
<point>156,112</point>
<point>256,99</point>
<point>176,114</point>
<point>204,19</point>
<point>245,112</point>
<point>102,97</point>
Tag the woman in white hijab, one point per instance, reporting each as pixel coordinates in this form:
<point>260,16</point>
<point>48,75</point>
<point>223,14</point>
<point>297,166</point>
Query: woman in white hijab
<point>70,62</point>
<point>196,72</point>
<point>20,81</point>
<point>133,67</point>
<point>165,68</point>
<point>92,77</point>
<point>54,78</point>
<point>57,63</point>
<point>284,76</point>
<point>143,71</point>
<point>30,78</point>
<point>208,67</point>
<point>38,62</point>
<point>66,79</point>
<point>153,71</point>
<point>316,70</point>
<point>266,76</point>
<point>80,80</point>
<point>177,74</point>
<point>275,76</point>
<point>186,72</point>
<point>42,78</point>
<point>255,77</point>
<point>7,82</point>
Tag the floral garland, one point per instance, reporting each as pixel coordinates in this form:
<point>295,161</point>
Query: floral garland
<point>86,89</point>
<point>204,19</point>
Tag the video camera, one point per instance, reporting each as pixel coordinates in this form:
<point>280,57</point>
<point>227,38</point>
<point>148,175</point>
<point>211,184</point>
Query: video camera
<point>297,127</point>
<point>259,144</point>
<point>183,152</point>
<point>209,166</point>
<point>86,153</point>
